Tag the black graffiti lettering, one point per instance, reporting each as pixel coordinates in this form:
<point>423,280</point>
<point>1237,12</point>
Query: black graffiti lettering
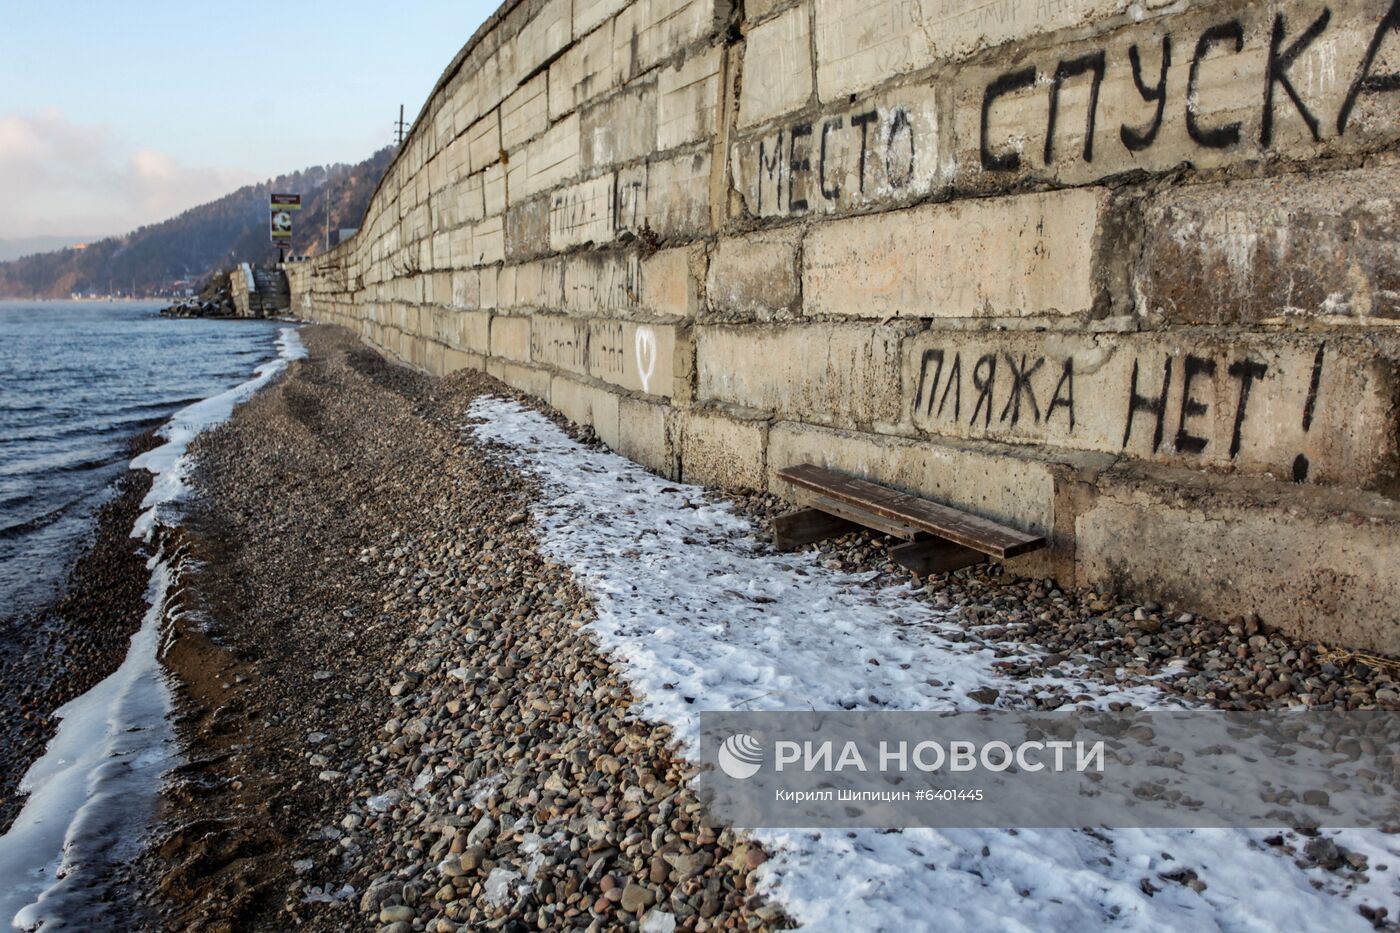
<point>928,355</point>
<point>954,385</point>
<point>1219,137</point>
<point>1065,400</point>
<point>1073,68</point>
<point>863,120</point>
<point>899,120</point>
<point>1190,406</point>
<point>1310,406</point>
<point>796,165</point>
<point>1277,73</point>
<point>1011,81</point>
<point>1365,82</point>
<point>834,191</point>
<point>1246,371</point>
<point>1021,384</point>
<point>984,385</point>
<point>773,169</point>
<point>1156,406</point>
<point>1137,140</point>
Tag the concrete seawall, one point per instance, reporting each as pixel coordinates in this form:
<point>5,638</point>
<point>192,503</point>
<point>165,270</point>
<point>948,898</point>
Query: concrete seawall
<point>1122,273</point>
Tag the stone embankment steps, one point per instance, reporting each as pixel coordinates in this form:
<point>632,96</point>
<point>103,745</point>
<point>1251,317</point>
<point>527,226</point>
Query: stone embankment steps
<point>271,295</point>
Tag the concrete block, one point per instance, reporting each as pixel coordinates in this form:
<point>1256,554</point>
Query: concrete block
<point>581,213</point>
<point>619,129</point>
<point>756,276</point>
<point>861,43</point>
<point>527,228</point>
<point>688,99</point>
<point>510,338</point>
<point>466,201</point>
<point>670,284</point>
<point>489,278</point>
<point>587,405</point>
<point>582,73</point>
<point>488,241</point>
<point>590,13</point>
<point>441,253</point>
<point>648,31</point>
<point>1277,251</point>
<point>544,36</point>
<point>602,283</point>
<point>546,161</point>
<point>537,285</point>
<point>1025,255</point>
<point>644,435</point>
<point>629,199</point>
<point>1005,133</point>
<point>471,331</point>
<point>527,379</point>
<point>842,375</point>
<point>677,202</point>
<point>454,360</point>
<point>493,190</point>
<point>466,289</point>
<point>1316,409</point>
<point>720,449</point>
<point>460,254</point>
<point>1319,566</point>
<point>640,357</point>
<point>484,141</point>
<point>559,341</point>
<point>525,113</point>
<point>777,67</point>
<point>441,289</point>
<point>879,151</point>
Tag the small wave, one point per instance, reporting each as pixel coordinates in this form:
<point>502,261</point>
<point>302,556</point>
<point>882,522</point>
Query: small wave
<point>31,525</point>
<point>90,429</point>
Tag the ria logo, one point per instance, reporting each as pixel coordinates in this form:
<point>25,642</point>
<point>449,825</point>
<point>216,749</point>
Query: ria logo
<point>740,756</point>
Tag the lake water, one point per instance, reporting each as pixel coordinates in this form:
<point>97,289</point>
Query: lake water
<point>77,380</point>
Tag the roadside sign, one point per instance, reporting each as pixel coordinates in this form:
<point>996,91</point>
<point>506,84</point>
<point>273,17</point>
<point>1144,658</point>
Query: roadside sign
<point>280,220</point>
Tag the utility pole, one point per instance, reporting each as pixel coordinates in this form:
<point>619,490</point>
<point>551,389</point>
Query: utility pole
<point>399,128</point>
<point>329,188</point>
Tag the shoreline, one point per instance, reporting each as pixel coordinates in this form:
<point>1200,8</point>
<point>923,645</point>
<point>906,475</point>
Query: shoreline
<point>61,650</point>
<point>96,781</point>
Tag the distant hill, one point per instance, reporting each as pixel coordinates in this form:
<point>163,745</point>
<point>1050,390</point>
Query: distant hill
<point>165,258</point>
<point>29,245</point>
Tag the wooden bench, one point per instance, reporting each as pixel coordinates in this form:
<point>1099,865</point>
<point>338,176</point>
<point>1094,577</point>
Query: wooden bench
<point>937,538</point>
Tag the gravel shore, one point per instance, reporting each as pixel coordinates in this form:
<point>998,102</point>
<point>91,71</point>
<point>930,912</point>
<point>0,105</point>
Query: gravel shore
<point>61,651</point>
<point>393,721</point>
<point>383,686</point>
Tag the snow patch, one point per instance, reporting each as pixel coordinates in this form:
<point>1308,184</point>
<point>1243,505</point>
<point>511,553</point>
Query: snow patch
<point>706,617</point>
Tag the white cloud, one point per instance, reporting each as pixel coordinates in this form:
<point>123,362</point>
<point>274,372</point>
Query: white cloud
<point>62,178</point>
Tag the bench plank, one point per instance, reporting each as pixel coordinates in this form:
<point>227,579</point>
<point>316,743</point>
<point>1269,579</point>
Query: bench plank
<point>957,526</point>
<point>856,512</point>
<point>794,529</point>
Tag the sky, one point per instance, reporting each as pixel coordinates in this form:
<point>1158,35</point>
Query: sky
<point>117,114</point>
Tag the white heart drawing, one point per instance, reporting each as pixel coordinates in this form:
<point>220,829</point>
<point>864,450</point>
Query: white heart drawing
<point>646,356</point>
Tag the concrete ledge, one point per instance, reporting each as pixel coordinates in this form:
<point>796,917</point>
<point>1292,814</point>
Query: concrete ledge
<point>1308,561</point>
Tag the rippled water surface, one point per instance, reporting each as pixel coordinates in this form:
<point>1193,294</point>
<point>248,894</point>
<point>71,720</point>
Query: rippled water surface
<point>77,380</point>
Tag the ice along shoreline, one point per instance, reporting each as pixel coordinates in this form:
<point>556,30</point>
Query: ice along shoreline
<point>93,791</point>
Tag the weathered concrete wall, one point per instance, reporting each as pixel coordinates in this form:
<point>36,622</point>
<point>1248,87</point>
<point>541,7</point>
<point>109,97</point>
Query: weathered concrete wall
<point>1121,272</point>
<point>240,286</point>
